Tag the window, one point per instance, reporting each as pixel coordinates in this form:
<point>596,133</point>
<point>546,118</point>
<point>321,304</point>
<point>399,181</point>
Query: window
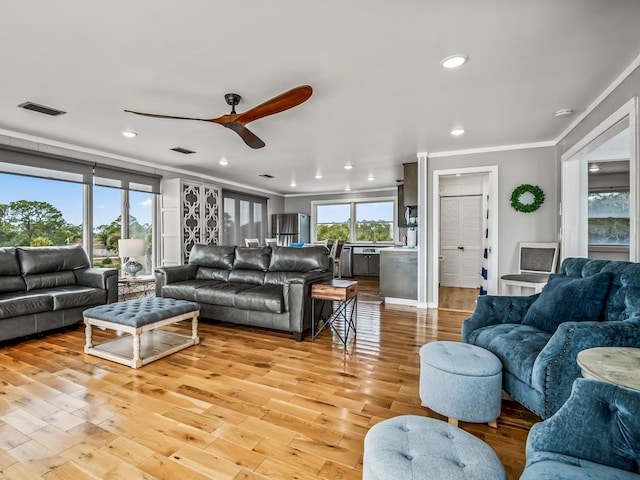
<point>245,216</point>
<point>39,212</point>
<point>364,221</point>
<point>608,218</point>
<point>44,199</point>
<point>333,222</point>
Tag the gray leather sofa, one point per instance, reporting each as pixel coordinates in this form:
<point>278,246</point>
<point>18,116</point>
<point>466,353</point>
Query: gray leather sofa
<point>45,288</point>
<point>263,287</point>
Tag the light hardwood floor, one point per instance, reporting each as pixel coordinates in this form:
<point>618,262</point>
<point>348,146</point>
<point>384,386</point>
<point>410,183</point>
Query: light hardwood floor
<point>245,403</point>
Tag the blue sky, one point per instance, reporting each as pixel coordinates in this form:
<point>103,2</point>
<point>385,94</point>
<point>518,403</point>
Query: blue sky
<point>67,197</point>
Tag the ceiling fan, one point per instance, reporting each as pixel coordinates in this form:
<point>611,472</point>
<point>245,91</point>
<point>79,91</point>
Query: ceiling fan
<point>237,121</point>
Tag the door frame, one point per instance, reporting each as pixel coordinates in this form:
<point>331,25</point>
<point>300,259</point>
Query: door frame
<point>492,172</point>
<point>573,223</point>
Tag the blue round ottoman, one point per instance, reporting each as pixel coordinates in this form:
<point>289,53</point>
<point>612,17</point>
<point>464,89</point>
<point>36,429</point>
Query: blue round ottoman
<point>414,448</point>
<point>461,381</point>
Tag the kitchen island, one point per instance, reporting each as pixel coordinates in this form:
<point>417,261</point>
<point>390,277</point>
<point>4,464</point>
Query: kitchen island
<point>399,275</point>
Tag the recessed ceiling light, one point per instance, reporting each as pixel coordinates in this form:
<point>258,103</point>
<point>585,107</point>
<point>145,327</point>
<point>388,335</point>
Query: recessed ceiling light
<point>318,176</point>
<point>371,178</point>
<point>348,167</point>
<point>347,189</point>
<point>224,162</point>
<point>454,61</point>
<point>293,184</point>
<point>563,112</point>
<point>129,134</point>
<point>594,167</point>
<point>456,132</point>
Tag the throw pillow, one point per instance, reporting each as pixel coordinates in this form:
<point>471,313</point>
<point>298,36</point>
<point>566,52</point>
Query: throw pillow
<point>566,299</point>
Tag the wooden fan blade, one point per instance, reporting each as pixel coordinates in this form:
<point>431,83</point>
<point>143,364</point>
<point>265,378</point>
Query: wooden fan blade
<point>282,102</point>
<point>155,115</point>
<point>247,135</point>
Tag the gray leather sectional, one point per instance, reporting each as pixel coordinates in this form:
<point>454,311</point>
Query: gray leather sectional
<point>45,288</point>
<point>263,287</point>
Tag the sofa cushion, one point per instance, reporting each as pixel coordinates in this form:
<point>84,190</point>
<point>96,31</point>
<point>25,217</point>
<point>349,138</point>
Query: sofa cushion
<point>49,280</point>
<point>186,290</point>
<point>517,346</point>
<point>252,258</point>
<point>254,277</point>
<point>306,259</point>
<point>221,294</point>
<point>75,296</point>
<point>51,259</point>
<point>565,299</point>
<point>12,284</point>
<point>215,256</point>
<point>210,273</point>
<point>9,262</point>
<point>265,298</point>
<point>22,303</point>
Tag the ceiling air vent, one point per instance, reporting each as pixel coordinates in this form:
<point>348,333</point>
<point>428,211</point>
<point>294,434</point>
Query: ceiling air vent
<point>186,151</point>
<point>266,175</point>
<point>54,112</point>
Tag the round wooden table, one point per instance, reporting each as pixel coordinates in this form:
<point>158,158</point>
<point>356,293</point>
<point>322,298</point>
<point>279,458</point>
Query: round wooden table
<point>617,365</point>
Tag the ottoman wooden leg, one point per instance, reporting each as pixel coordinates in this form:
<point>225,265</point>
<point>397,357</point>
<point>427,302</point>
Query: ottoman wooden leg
<point>88,336</point>
<point>494,423</point>
<point>136,361</point>
<point>194,330</point>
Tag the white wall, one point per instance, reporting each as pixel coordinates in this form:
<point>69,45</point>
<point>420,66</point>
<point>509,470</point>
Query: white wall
<point>536,166</point>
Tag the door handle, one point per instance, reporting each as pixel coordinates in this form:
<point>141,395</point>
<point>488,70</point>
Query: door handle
<point>461,248</point>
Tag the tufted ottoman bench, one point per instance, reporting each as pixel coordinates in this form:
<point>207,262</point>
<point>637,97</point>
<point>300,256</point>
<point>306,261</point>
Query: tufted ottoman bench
<point>414,448</point>
<point>461,381</point>
<point>138,316</point>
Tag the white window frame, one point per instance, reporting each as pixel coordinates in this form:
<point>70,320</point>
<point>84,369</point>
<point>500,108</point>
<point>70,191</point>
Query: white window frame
<point>352,214</point>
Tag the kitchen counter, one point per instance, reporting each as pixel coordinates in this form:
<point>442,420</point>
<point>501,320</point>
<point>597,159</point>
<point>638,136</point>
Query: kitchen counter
<point>399,275</point>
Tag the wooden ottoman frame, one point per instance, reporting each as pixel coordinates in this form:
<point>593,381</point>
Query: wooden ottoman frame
<point>140,349</point>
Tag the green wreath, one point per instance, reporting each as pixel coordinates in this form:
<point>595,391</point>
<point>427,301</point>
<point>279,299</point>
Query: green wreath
<point>538,198</point>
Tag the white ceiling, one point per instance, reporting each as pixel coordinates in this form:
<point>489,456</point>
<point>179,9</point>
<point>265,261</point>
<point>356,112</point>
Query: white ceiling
<point>380,95</point>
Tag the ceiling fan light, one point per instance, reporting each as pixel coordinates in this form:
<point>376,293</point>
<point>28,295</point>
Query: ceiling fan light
<point>454,61</point>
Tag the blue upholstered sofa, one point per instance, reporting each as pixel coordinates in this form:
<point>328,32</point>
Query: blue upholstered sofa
<point>590,303</point>
<point>595,434</point>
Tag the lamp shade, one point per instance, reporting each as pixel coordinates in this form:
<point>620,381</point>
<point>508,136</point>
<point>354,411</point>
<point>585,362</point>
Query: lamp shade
<point>131,247</point>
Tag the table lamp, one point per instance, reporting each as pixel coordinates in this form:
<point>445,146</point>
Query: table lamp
<point>129,248</point>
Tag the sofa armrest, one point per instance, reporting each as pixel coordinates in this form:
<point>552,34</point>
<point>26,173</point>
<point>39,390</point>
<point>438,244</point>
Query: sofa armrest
<point>173,274</point>
<point>494,310</point>
<point>598,423</point>
<point>556,366</point>
<point>297,298</point>
<point>103,278</point>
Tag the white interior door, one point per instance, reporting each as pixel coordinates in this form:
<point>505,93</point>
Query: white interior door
<point>460,241</point>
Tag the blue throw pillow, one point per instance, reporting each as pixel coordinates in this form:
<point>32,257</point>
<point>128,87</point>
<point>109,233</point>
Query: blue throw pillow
<point>566,299</point>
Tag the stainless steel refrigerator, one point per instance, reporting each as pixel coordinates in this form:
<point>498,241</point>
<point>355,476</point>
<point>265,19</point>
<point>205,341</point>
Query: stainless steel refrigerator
<point>290,228</point>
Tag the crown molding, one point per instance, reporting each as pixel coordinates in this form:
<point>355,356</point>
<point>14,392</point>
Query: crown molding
<point>500,148</point>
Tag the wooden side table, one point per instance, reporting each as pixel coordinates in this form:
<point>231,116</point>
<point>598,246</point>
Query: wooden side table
<point>139,286</point>
<point>617,365</point>
<point>345,293</point>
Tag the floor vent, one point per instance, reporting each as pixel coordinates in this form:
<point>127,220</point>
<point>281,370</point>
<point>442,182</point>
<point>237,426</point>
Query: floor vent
<point>186,151</point>
<point>54,112</point>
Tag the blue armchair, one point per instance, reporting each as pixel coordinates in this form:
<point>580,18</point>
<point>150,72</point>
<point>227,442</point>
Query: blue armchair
<point>595,434</point>
<point>596,303</point>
